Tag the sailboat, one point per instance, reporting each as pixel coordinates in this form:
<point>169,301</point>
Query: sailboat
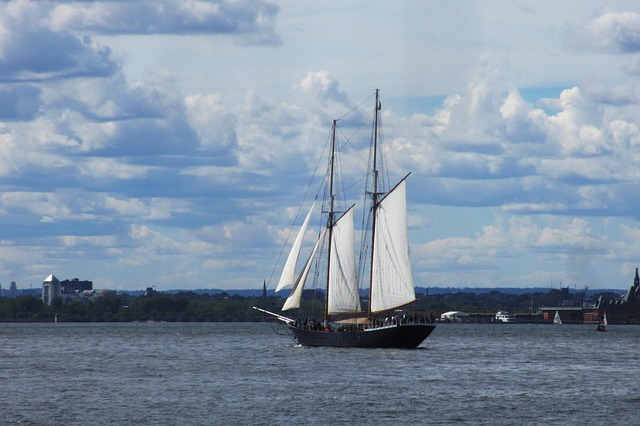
<point>603,323</point>
<point>384,260</point>
<point>556,319</point>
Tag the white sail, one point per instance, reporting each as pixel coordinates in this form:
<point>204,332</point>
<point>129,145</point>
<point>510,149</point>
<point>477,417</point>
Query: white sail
<point>556,319</point>
<point>392,280</point>
<point>293,301</point>
<point>289,271</point>
<point>343,294</point>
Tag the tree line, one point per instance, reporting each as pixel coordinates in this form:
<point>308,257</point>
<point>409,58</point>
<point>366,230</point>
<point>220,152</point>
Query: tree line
<point>161,307</point>
<point>188,306</point>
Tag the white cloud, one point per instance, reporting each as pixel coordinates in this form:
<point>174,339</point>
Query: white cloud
<point>111,168</point>
<point>75,240</point>
<point>253,20</point>
<point>322,85</point>
<point>215,125</point>
<point>43,205</point>
<point>30,50</point>
<point>610,32</point>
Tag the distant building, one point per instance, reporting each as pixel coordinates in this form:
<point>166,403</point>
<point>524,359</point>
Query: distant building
<point>625,309</point>
<point>150,292</point>
<point>622,310</point>
<point>73,289</point>
<point>568,315</point>
<point>75,286</point>
<point>50,289</point>
<point>13,289</point>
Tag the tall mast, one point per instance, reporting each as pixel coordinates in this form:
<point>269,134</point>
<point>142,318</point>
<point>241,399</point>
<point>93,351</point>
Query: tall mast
<point>330,218</point>
<point>374,193</point>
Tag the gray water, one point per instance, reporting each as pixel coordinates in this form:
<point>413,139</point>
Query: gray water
<point>244,373</point>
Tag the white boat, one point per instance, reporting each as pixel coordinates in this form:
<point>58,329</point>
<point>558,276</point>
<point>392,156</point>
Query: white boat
<point>556,319</point>
<point>504,316</point>
<point>454,316</point>
<point>386,272</point>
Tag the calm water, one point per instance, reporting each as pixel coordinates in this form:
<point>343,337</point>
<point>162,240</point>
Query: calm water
<point>237,373</point>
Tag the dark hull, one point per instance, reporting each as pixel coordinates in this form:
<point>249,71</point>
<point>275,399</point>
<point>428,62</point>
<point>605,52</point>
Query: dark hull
<point>405,336</point>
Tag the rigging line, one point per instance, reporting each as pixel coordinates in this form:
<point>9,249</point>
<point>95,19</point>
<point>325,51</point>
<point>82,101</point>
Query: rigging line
<point>358,182</point>
<point>341,192</point>
<point>304,198</point>
<point>357,130</point>
<point>356,107</point>
<point>347,141</point>
<point>313,176</point>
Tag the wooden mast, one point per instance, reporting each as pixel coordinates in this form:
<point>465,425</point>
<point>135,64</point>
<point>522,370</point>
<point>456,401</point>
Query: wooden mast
<point>374,195</point>
<point>330,220</point>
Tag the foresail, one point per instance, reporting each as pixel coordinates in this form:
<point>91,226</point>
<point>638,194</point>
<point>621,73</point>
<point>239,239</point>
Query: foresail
<point>343,294</point>
<point>289,271</point>
<point>293,301</point>
<point>392,279</point>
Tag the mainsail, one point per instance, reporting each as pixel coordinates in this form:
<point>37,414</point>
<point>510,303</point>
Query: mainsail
<point>343,294</point>
<point>391,277</point>
<point>289,271</point>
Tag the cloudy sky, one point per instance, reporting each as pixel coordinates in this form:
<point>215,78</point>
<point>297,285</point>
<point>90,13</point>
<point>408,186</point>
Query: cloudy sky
<point>169,143</point>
